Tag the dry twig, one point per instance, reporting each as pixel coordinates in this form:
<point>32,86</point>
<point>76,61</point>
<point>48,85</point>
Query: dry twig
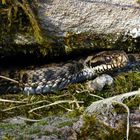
<point>55,103</point>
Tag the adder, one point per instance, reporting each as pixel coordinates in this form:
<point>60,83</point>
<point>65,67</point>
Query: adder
<point>52,78</point>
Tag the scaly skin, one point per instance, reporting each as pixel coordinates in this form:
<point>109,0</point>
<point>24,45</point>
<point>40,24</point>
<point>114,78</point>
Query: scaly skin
<point>49,79</point>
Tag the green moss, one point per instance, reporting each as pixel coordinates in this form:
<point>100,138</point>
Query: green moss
<point>94,129</point>
<point>75,113</point>
<point>14,9</point>
<point>18,18</point>
<point>138,1</point>
<point>22,19</point>
<point>133,102</point>
<point>8,137</point>
<point>68,123</point>
<point>93,41</point>
<point>43,122</point>
<point>34,24</point>
<point>124,82</point>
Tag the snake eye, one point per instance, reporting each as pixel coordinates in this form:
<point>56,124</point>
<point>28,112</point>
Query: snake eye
<point>108,59</point>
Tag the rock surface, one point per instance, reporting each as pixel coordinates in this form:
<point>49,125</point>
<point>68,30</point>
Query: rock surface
<point>75,24</point>
<point>99,16</point>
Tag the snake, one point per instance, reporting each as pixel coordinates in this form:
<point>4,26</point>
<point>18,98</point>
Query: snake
<point>46,78</point>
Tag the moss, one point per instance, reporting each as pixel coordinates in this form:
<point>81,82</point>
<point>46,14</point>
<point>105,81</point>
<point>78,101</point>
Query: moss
<point>75,113</point>
<point>7,137</point>
<point>34,24</point>
<point>43,122</point>
<point>124,82</point>
<point>68,123</point>
<point>94,129</point>
<point>18,18</point>
<point>95,41</point>
<point>138,1</point>
<point>134,133</point>
<point>133,102</point>
<point>16,8</point>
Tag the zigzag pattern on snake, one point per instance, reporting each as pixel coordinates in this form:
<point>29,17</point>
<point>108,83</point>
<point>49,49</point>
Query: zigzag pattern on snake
<point>48,79</point>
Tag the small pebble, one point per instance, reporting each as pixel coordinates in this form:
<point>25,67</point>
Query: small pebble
<point>98,83</point>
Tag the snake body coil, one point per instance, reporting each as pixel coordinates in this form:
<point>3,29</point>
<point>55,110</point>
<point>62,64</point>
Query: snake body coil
<point>49,79</point>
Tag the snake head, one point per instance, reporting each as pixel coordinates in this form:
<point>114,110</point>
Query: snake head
<point>107,60</point>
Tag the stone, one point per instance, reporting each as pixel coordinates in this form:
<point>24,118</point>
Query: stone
<point>99,16</point>
<point>76,24</point>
